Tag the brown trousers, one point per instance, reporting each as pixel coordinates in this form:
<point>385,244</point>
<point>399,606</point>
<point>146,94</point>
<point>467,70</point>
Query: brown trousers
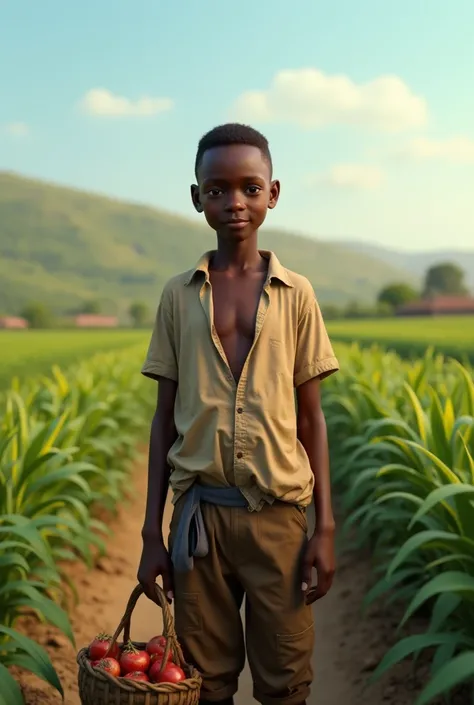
<point>256,554</point>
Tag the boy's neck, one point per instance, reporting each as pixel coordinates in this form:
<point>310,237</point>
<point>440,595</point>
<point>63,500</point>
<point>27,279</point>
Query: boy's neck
<point>237,255</point>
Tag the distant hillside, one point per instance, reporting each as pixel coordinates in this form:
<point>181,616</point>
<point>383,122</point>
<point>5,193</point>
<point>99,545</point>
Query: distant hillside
<point>416,263</point>
<point>63,247</point>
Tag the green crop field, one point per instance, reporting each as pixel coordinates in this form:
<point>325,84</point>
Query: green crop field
<point>402,448</point>
<point>452,335</point>
<point>30,353</point>
<point>402,457</point>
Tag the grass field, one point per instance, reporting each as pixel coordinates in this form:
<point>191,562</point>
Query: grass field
<point>453,335</point>
<point>30,353</point>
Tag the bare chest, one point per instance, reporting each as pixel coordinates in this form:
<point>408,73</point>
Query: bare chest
<point>235,304</point>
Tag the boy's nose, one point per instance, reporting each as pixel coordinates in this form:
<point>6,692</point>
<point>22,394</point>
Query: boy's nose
<point>234,203</point>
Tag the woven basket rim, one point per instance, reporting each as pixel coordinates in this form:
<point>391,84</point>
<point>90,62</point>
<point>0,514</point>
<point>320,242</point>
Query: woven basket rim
<point>191,683</point>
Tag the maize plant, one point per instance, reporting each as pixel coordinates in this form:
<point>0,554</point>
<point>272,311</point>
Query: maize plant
<point>66,442</point>
<point>403,467</point>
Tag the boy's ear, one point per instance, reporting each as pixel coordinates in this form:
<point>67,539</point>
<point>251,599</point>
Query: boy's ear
<point>196,198</point>
<point>274,193</point>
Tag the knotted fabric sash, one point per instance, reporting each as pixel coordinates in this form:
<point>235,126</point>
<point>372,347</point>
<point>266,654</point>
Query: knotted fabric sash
<point>190,540</point>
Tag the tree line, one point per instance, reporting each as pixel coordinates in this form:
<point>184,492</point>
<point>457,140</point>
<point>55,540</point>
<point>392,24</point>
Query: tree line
<point>441,279</point>
<point>39,315</point>
<point>444,279</point>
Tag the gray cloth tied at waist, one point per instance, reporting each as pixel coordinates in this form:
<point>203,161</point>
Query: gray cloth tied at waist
<point>190,540</point>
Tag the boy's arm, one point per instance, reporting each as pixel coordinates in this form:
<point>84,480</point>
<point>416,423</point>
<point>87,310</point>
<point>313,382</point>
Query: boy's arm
<point>312,433</point>
<point>155,559</point>
<point>315,360</point>
<point>161,364</point>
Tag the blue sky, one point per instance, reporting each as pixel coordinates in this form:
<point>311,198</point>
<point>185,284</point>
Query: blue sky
<point>368,106</point>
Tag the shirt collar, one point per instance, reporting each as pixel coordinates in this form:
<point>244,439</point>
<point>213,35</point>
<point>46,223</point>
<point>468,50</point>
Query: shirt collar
<point>275,269</point>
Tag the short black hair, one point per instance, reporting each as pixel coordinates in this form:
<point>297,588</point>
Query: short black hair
<point>232,133</point>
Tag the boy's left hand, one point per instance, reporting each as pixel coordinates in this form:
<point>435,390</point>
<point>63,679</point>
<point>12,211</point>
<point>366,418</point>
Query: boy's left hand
<point>320,554</point>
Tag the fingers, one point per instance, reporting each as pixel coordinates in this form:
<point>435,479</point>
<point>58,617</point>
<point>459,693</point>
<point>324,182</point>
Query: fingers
<point>148,586</point>
<point>145,583</point>
<point>325,581</point>
<point>306,576</point>
<point>168,586</point>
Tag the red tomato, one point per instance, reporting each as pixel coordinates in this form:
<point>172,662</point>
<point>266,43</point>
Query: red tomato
<point>158,658</point>
<point>137,676</point>
<point>133,660</point>
<point>110,665</point>
<point>155,645</point>
<point>98,647</point>
<point>159,651</point>
<point>170,674</point>
<point>161,639</point>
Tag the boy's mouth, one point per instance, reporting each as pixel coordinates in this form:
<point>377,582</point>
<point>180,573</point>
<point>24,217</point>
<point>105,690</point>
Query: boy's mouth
<point>236,223</point>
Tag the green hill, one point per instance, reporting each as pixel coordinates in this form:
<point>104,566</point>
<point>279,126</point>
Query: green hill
<point>417,263</point>
<point>63,247</point>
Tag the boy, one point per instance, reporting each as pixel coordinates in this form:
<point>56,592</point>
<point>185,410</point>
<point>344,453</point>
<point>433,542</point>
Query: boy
<point>233,337</point>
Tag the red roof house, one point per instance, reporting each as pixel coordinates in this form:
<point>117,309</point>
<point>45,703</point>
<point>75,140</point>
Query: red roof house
<point>92,320</point>
<point>13,322</point>
<point>438,306</point>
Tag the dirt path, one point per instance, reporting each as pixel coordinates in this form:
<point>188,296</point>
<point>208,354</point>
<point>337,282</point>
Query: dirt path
<point>348,647</point>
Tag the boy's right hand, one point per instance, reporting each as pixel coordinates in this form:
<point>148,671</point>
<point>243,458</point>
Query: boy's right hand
<point>155,561</point>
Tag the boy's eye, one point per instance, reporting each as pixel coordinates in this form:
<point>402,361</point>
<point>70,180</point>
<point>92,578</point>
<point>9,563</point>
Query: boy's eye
<point>214,191</point>
<point>253,190</point>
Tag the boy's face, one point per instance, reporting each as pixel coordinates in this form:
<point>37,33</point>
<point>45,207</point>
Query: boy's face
<point>235,190</point>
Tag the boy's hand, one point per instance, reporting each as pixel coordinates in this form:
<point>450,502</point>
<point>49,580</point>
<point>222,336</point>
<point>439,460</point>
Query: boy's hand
<point>320,554</point>
<point>155,561</point>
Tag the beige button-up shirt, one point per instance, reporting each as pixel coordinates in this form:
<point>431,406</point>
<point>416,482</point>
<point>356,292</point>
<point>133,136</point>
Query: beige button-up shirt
<point>240,434</point>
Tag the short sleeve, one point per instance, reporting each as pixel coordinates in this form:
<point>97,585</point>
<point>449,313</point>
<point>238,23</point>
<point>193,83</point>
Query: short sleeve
<point>161,359</point>
<point>314,354</point>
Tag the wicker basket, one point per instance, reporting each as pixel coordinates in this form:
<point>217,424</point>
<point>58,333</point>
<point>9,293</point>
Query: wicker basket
<point>97,687</point>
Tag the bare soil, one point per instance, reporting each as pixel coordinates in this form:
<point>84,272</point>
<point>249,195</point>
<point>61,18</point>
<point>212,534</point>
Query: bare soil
<point>348,647</point>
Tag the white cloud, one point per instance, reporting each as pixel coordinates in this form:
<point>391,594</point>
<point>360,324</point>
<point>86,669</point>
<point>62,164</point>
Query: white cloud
<point>101,102</point>
<point>452,149</point>
<point>310,98</point>
<point>17,129</point>
<point>354,177</point>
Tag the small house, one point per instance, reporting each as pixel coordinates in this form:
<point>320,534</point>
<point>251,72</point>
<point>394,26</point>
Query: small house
<point>92,320</point>
<point>13,322</point>
<point>438,306</point>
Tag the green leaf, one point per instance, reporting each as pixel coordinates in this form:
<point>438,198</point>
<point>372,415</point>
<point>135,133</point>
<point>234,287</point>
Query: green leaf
<point>443,609</point>
<point>420,540</point>
<point>51,612</point>
<point>10,692</point>
<point>13,560</point>
<point>446,474</point>
<point>42,444</point>
<point>419,413</point>
<point>70,473</point>
<point>411,645</point>
<point>387,583</point>
<point>451,581</point>
<point>33,540</point>
<point>43,663</point>
<point>452,674</point>
<point>441,494</point>
<point>443,654</point>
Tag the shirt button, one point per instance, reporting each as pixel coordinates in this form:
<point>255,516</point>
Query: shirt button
<point>240,455</point>
<point>239,410</point>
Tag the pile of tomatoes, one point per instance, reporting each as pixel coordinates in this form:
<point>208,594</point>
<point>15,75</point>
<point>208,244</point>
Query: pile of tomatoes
<point>135,664</point>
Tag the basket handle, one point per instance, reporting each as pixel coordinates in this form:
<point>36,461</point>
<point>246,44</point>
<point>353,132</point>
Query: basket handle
<point>169,633</point>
